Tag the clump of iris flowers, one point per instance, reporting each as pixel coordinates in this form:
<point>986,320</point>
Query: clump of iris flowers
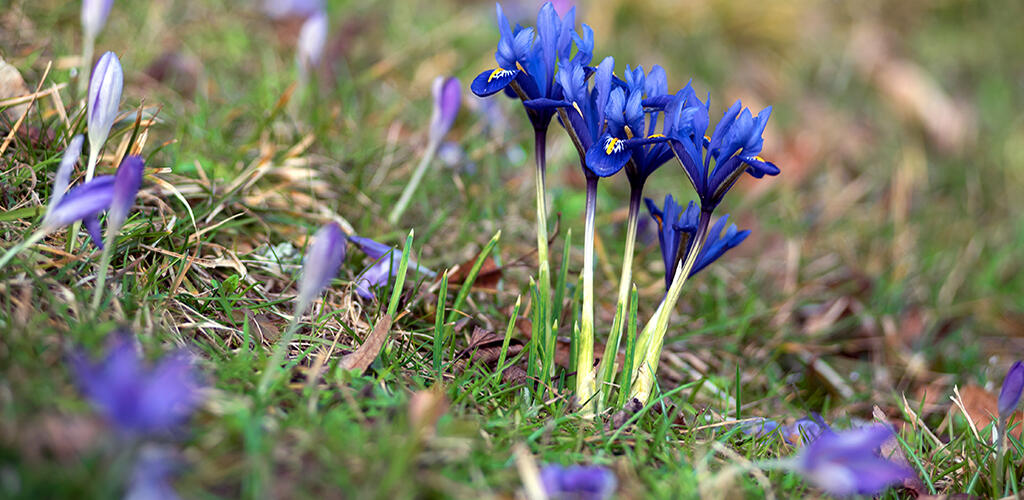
<point>631,124</point>
<point>528,60</point>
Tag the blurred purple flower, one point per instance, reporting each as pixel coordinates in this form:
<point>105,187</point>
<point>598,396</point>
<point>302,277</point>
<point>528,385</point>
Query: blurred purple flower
<point>447,98</point>
<point>578,482</point>
<point>320,266</point>
<point>805,430</point>
<point>94,16</point>
<point>387,259</point>
<point>760,427</point>
<point>135,398</point>
<point>453,156</point>
<point>127,182</point>
<point>848,463</point>
<point>312,38</point>
<point>490,111</point>
<point>280,9</point>
<point>1013,386</point>
<point>151,476</point>
<point>64,171</point>
<point>104,99</point>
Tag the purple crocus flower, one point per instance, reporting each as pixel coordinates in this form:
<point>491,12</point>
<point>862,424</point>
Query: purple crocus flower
<point>759,427</point>
<point>323,258</point>
<point>848,463</point>
<point>1013,386</point>
<point>135,398</point>
<point>83,202</point>
<point>387,259</point>
<point>127,182</point>
<point>104,99</point>
<point>312,38</point>
<point>578,482</point>
<point>64,171</point>
<point>805,430</point>
<point>447,97</point>
<point>94,16</point>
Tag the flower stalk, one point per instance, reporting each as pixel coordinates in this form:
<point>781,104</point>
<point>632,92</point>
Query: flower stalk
<point>607,368</point>
<point>652,338</point>
<point>543,265</point>
<point>585,376</point>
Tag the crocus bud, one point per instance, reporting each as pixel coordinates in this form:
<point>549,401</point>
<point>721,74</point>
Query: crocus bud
<point>94,16</point>
<point>312,38</point>
<point>127,182</point>
<point>323,258</point>
<point>104,99</point>
<point>447,97</point>
<point>1013,385</point>
<point>67,166</point>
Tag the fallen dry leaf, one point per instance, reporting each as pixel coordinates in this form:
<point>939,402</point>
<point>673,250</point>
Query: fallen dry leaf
<point>982,406</point>
<point>361,359</point>
<point>488,277</point>
<point>425,409</point>
<point>485,348</point>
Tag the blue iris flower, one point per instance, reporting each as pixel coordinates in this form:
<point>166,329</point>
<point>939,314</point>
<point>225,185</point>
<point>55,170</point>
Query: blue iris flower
<point>734,146</point>
<point>677,228</point>
<point>631,140</point>
<point>528,58</point>
<point>584,101</point>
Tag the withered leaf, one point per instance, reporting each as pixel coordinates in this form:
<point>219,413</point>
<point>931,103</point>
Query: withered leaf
<point>983,407</point>
<point>487,278</point>
<point>361,359</point>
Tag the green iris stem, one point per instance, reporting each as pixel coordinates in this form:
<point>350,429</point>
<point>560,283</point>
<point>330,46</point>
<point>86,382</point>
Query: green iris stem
<point>16,249</point>
<point>414,182</point>
<point>585,376</point>
<point>607,368</point>
<point>652,338</point>
<point>543,265</point>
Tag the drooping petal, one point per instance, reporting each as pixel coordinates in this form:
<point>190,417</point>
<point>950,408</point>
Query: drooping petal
<point>492,81</point>
<point>607,156</point>
<point>718,243</point>
<point>81,201</point>
<point>371,248</point>
<point>67,166</point>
